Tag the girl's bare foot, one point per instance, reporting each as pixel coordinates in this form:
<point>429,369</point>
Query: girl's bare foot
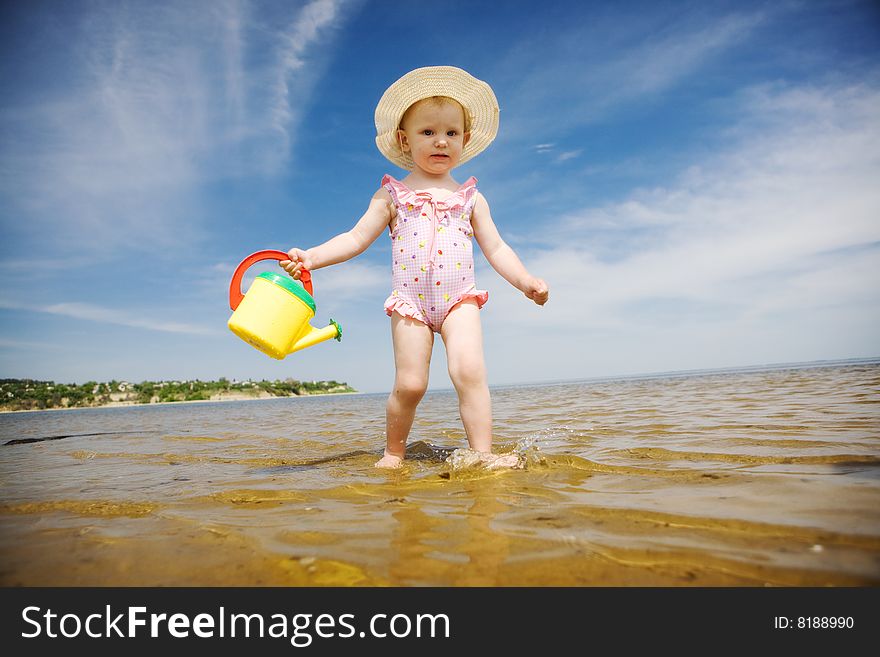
<point>493,461</point>
<point>389,461</point>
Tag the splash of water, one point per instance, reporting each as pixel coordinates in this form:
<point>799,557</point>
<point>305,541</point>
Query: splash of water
<point>525,453</point>
<point>463,459</point>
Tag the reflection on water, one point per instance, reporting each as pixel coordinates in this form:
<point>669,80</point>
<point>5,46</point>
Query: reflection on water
<point>737,478</point>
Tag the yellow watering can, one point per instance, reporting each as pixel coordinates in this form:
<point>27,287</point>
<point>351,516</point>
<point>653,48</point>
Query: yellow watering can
<point>275,313</point>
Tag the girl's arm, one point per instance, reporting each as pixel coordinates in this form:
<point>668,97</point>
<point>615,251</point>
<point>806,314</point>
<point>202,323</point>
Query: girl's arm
<point>502,257</point>
<point>344,246</point>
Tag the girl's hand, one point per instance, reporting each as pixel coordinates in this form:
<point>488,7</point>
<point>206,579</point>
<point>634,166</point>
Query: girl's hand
<point>538,291</point>
<point>298,260</point>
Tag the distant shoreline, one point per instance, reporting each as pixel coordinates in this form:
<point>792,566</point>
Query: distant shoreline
<point>679,374</point>
<point>131,404</point>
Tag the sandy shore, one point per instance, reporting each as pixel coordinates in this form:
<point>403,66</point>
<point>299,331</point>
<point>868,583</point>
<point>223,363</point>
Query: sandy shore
<point>219,397</point>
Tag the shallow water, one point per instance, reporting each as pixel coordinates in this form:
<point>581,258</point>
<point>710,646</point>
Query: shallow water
<point>739,478</point>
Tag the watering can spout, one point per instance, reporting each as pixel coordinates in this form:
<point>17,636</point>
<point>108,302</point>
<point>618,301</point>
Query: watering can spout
<point>314,336</point>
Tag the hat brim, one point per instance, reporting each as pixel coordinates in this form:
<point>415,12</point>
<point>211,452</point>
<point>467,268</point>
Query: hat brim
<point>474,95</point>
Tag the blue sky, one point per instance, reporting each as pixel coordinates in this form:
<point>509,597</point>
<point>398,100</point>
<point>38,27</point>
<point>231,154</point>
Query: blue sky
<point>697,181</point>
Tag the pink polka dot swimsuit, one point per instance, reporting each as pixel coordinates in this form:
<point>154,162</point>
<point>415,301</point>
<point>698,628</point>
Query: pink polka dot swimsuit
<point>431,253</point>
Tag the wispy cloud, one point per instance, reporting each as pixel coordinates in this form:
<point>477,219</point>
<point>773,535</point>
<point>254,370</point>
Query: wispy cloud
<point>664,60</point>
<point>351,280</point>
<point>233,15</point>
<point>93,313</point>
<point>550,149</point>
<point>291,76</point>
<point>568,155</point>
<point>159,101</point>
<point>587,83</point>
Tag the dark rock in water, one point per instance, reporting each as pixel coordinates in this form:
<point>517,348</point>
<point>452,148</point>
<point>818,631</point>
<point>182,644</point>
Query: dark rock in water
<point>25,441</point>
<point>422,451</point>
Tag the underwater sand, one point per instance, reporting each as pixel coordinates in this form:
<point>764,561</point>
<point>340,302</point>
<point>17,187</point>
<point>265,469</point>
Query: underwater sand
<point>725,479</point>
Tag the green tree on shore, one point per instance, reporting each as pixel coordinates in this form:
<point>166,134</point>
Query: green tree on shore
<point>31,394</point>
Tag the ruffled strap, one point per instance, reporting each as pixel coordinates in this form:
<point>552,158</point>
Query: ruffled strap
<point>397,190</point>
<point>464,194</point>
<point>403,195</point>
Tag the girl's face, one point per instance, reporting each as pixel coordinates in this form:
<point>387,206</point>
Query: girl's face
<point>432,132</point>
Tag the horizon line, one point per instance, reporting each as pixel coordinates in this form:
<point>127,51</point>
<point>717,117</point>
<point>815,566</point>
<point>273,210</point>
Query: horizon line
<point>548,382</point>
<point>832,362</point>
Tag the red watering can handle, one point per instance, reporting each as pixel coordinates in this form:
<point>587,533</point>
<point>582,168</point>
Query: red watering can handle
<point>235,293</point>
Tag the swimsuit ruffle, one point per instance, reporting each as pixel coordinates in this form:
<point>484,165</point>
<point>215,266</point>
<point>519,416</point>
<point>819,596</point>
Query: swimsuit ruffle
<point>480,296</point>
<point>403,194</point>
<point>403,308</point>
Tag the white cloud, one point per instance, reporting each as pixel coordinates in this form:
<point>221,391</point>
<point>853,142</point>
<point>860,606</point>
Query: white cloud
<point>350,280</point>
<point>777,233</point>
<point>661,62</point>
<point>93,313</point>
<point>568,155</point>
<point>291,77</point>
<point>547,149</point>
<point>589,81</point>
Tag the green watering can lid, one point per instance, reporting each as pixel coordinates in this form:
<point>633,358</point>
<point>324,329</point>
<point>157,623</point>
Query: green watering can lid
<point>291,286</point>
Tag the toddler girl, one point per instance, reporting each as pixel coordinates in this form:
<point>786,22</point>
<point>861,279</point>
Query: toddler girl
<point>428,122</point>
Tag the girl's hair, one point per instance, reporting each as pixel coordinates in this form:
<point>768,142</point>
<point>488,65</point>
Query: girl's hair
<point>440,100</point>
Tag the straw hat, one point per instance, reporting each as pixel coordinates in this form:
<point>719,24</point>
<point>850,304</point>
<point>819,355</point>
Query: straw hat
<point>474,95</point>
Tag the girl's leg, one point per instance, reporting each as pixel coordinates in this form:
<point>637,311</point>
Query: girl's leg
<point>413,342</point>
<point>463,336</point>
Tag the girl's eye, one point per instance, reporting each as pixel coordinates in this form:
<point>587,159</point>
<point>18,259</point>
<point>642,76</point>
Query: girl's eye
<point>428,133</point>
<point>451,133</point>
